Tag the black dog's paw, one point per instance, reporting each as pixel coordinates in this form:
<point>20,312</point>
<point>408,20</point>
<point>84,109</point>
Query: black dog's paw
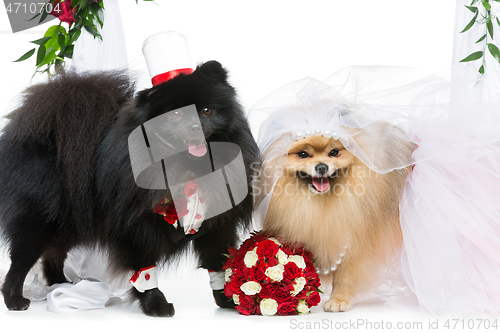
<point>17,303</point>
<point>158,309</point>
<point>153,303</point>
<point>222,300</point>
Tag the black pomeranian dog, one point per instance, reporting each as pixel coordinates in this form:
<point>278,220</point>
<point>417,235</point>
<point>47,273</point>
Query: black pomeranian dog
<point>66,178</point>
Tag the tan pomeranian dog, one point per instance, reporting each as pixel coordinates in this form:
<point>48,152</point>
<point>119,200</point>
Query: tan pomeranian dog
<point>346,214</point>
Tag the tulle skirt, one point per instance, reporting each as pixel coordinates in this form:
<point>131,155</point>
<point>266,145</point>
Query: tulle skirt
<point>450,219</point>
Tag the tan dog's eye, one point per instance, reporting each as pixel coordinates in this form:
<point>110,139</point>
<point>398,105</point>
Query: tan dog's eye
<point>303,154</point>
<point>334,153</point>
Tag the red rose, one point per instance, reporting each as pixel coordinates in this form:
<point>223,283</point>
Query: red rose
<point>286,308</point>
<point>267,290</point>
<point>291,272</point>
<point>313,299</point>
<point>257,273</point>
<point>175,210</point>
<point>235,285</point>
<point>272,261</point>
<point>232,252</point>
<point>190,188</point>
<point>313,281</point>
<point>267,248</point>
<point>237,271</point>
<point>247,245</point>
<point>302,294</point>
<point>247,305</point>
<point>259,237</point>
<point>282,295</point>
<point>227,264</point>
<point>288,251</point>
<point>228,291</point>
<point>160,209</point>
<point>63,11</point>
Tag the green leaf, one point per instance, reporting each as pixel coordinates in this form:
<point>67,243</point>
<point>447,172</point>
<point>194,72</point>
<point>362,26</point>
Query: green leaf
<point>481,70</point>
<point>40,54</point>
<point>50,56</point>
<point>41,41</point>
<point>471,23</point>
<point>74,37</point>
<point>76,4</point>
<point>489,26</point>
<point>68,53</point>
<point>44,16</point>
<point>26,55</point>
<point>498,21</point>
<point>471,8</point>
<point>481,39</point>
<point>495,52</point>
<point>53,30</point>
<point>92,30</point>
<point>61,40</point>
<point>34,17</point>
<point>473,56</point>
<point>486,5</point>
<point>98,13</point>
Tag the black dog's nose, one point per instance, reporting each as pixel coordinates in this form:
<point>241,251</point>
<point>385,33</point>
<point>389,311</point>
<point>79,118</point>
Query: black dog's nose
<point>321,168</point>
<point>196,128</point>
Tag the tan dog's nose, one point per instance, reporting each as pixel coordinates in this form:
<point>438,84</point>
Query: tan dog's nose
<point>321,168</point>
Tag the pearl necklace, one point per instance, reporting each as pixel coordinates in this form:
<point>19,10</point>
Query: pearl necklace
<point>333,267</point>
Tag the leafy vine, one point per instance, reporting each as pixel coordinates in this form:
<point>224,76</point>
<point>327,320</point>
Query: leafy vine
<point>482,15</point>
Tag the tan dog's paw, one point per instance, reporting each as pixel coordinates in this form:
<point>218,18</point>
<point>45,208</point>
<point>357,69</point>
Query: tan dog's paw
<point>337,305</point>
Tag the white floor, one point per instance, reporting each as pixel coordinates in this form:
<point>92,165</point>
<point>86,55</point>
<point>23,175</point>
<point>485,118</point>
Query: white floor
<point>188,290</point>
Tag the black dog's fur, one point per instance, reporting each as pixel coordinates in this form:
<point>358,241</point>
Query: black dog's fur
<point>66,178</point>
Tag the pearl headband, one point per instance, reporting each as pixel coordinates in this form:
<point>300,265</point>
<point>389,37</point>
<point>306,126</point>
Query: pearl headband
<point>325,133</point>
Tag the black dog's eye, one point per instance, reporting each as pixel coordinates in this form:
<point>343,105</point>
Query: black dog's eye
<point>303,154</point>
<point>207,111</point>
<point>334,153</point>
<point>176,115</point>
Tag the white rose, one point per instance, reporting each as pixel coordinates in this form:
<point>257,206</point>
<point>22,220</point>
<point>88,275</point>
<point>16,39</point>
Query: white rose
<point>227,275</point>
<point>298,286</point>
<point>274,240</point>
<point>236,299</point>
<point>251,288</point>
<point>302,308</point>
<point>251,258</point>
<point>275,273</point>
<point>282,257</point>
<point>298,260</point>
<point>268,307</point>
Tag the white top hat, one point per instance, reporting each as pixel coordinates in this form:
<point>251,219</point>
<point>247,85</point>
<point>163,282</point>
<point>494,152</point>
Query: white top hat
<point>167,55</point>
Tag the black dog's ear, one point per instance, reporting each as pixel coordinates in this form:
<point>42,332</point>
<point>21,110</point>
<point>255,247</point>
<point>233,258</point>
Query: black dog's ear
<point>213,69</point>
<point>145,95</point>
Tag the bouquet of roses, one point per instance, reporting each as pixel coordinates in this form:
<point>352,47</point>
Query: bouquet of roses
<point>267,276</point>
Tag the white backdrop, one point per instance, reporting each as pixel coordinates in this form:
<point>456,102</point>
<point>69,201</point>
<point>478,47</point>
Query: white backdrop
<point>264,45</point>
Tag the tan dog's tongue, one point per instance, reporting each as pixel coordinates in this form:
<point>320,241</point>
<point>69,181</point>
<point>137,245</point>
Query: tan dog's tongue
<point>197,151</point>
<point>321,184</point>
